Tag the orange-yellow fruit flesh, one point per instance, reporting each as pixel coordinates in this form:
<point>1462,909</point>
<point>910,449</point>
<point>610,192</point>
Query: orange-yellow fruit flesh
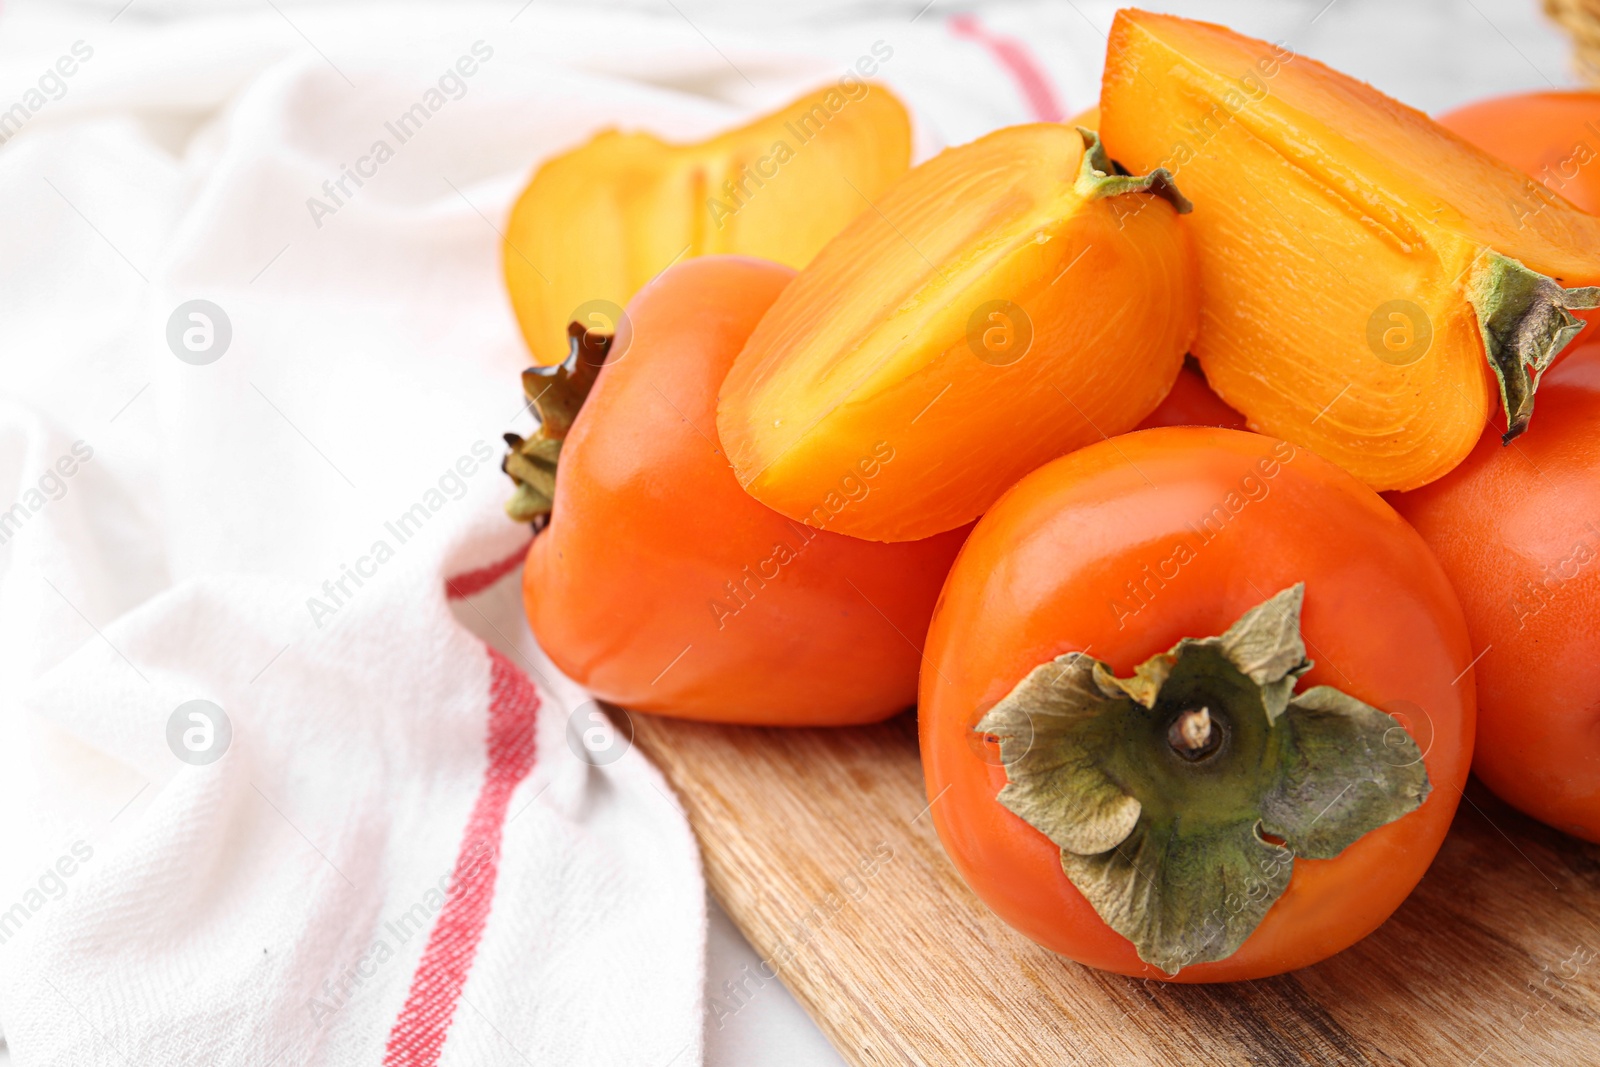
<point>1319,201</point>
<point>869,401</point>
<point>597,223</point>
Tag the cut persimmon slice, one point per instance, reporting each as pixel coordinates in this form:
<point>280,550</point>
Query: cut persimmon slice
<point>597,223</point>
<point>1008,301</point>
<point>1368,279</point>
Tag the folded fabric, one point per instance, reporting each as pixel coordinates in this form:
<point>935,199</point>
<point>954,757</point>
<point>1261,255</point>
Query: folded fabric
<point>284,777</point>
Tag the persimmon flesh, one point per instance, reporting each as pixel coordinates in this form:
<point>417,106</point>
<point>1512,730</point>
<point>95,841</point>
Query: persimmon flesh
<point>1008,301</point>
<point>1367,277</point>
<point>596,223</point>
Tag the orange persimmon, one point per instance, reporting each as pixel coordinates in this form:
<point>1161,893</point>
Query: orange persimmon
<point>596,223</point>
<point>1192,403</point>
<point>658,584</point>
<point>1132,792</point>
<point>1553,137</point>
<point>1518,531</point>
<point>1008,301</point>
<point>1368,278</point>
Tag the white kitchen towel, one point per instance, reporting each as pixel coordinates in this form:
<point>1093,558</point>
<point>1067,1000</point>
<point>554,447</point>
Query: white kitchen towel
<point>283,779</point>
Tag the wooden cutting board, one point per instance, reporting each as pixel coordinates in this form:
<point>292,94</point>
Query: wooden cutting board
<point>819,845</point>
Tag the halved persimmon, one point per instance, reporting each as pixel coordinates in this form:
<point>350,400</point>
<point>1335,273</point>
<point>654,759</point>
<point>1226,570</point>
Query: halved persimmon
<point>1006,302</point>
<point>597,223</point>
<point>1367,277</point>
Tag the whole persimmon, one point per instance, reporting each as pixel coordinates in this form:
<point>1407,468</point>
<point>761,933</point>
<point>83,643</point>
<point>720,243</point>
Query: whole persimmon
<point>658,584</point>
<point>1197,705</point>
<point>1192,403</point>
<point>1518,530</point>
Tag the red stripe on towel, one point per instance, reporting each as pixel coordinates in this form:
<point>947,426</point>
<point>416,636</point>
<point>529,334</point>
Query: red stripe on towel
<point>473,582</point>
<point>419,1032</point>
<point>1019,62</point>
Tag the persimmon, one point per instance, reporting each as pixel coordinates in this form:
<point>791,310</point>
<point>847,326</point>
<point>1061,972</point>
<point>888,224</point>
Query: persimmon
<point>1192,403</point>
<point>1007,301</point>
<point>1197,705</point>
<point>658,584</point>
<point>1369,281</point>
<point>596,223</point>
<point>1553,137</point>
<point>1518,531</point>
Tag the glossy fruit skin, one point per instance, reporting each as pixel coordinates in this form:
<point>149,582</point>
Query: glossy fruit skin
<point>1553,137</point>
<point>1044,573</point>
<point>661,586</point>
<point>1517,528</point>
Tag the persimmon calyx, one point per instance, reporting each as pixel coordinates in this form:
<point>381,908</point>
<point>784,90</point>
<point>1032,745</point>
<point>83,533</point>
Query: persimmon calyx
<point>1525,319</point>
<point>557,394</point>
<point>1101,176</point>
<point>1162,813</point>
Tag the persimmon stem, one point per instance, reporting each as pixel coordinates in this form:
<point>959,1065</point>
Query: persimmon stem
<point>1191,732</point>
<point>557,395</point>
<point>1524,319</point>
<point>1182,796</point>
<point>1101,176</point>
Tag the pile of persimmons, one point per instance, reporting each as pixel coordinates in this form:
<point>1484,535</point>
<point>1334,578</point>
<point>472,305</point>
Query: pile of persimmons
<point>1074,437</point>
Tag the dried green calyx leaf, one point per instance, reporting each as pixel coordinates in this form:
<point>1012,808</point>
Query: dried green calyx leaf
<point>1162,789</point>
<point>1101,176</point>
<point>1525,320</point>
<point>557,394</point>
